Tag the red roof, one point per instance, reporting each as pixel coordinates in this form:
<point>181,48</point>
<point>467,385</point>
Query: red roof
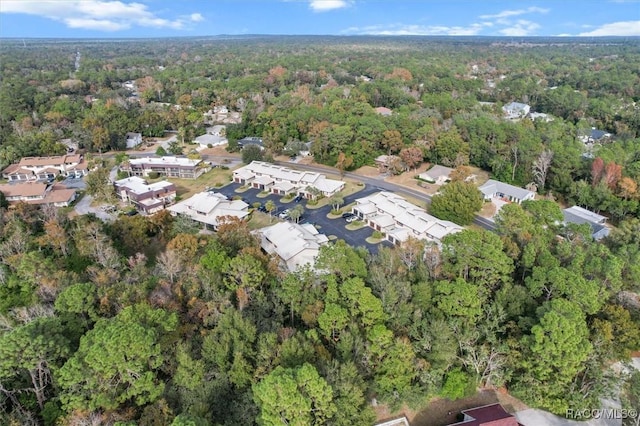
<point>489,415</point>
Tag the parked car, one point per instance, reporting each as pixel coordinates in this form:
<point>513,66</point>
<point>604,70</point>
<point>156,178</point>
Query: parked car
<point>347,215</point>
<point>284,214</point>
<point>352,218</point>
<point>298,198</point>
<point>262,209</point>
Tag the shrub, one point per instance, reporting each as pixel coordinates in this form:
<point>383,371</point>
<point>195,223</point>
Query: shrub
<point>377,235</point>
<point>154,175</point>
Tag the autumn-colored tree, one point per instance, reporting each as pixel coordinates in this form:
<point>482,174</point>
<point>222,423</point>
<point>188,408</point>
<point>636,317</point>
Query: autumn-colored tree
<point>411,156</point>
<point>597,170</point>
<point>627,188</point>
<point>343,163</point>
<point>400,74</point>
<point>612,174</point>
<point>460,174</point>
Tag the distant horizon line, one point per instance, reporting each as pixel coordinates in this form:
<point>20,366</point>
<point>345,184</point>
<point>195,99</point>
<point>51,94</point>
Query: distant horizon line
<point>560,37</point>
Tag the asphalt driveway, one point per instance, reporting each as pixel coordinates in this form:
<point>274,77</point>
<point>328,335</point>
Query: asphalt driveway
<point>318,217</point>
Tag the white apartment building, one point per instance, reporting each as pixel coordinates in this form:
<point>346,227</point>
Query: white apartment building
<point>296,245</point>
<point>283,180</point>
<point>208,208</point>
<point>398,219</point>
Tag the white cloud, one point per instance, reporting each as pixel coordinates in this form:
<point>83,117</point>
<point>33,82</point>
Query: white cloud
<point>196,17</point>
<point>326,5</point>
<point>100,15</point>
<point>623,28</point>
<point>517,12</point>
<point>401,29</point>
<point>520,29</point>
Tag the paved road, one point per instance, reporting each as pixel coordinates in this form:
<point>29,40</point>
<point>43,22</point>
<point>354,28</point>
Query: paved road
<point>84,207</point>
<point>316,216</point>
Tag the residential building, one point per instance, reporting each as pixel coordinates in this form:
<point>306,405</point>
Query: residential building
<point>209,208</point>
<point>488,415</point>
<point>213,137</point>
<point>540,116</point>
<point>515,110</point>
<point>579,216</point>
<point>296,245</point>
<point>593,136</point>
<point>148,198</point>
<point>283,180</point>
<point>46,168</point>
<point>438,175</point>
<point>177,167</point>
<point>133,140</point>
<point>40,193</point>
<point>385,162</point>
<point>496,189</point>
<point>253,140</point>
<point>398,219</point>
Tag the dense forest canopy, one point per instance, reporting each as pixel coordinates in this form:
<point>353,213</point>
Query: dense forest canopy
<point>145,321</point>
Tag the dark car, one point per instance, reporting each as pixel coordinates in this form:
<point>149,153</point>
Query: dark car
<point>298,198</point>
<point>347,215</point>
<point>262,209</point>
<point>132,212</point>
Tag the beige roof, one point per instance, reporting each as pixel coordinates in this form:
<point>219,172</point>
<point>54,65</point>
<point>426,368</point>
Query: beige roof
<point>27,189</point>
<point>17,170</point>
<point>58,194</point>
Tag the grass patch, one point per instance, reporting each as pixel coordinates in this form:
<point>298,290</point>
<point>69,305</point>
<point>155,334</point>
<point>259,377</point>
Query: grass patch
<point>372,240</point>
<point>214,178</point>
<point>332,238</point>
<point>259,220</point>
<point>263,194</point>
<point>355,225</point>
<point>349,188</point>
<point>334,216</point>
<point>242,189</point>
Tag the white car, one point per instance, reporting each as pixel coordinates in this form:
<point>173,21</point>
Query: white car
<point>351,219</point>
<point>284,214</point>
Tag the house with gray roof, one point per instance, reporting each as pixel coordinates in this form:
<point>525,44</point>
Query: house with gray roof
<point>515,110</point>
<point>438,175</point>
<point>296,245</point>
<point>496,189</point>
<point>579,216</point>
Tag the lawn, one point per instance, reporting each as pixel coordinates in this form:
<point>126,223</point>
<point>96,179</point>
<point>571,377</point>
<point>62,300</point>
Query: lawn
<point>214,178</point>
<point>349,188</point>
<point>260,220</point>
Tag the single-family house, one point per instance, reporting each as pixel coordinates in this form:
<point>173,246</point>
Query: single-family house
<point>214,136</point>
<point>488,415</point>
<point>178,167</point>
<point>540,116</point>
<point>46,168</point>
<point>515,110</point>
<point>398,219</point>
<point>133,140</point>
<point>296,245</point>
<point>496,189</point>
<point>384,162</point>
<point>383,111</point>
<point>283,180</point>
<point>593,136</point>
<point>208,208</point>
<point>438,175</point>
<point>39,193</point>
<point>252,140</point>
<point>148,198</point>
<point>579,216</point>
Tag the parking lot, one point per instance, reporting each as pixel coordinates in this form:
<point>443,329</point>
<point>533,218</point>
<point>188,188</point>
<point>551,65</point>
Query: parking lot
<point>318,217</point>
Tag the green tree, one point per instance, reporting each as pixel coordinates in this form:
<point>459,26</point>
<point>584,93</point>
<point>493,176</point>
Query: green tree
<point>99,186</point>
<point>29,354</point>
<point>252,153</point>
<point>118,361</point>
<point>294,396</point>
<point>270,206</point>
<point>458,202</point>
<point>296,213</point>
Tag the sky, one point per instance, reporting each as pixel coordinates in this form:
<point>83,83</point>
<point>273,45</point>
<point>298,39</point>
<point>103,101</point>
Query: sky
<point>175,18</point>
